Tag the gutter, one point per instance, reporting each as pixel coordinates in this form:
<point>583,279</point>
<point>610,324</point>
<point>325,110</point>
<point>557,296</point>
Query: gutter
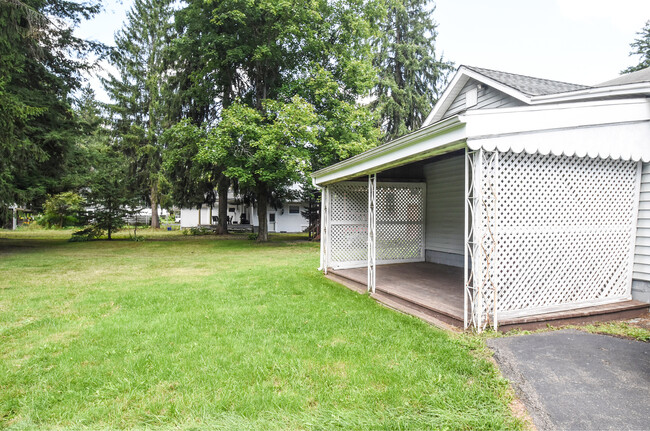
<point>432,130</point>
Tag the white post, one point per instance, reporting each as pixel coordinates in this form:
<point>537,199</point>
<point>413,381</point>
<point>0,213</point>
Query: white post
<point>14,223</point>
<point>465,249</point>
<point>325,227</point>
<point>372,231</point>
<point>477,266</point>
<point>495,191</point>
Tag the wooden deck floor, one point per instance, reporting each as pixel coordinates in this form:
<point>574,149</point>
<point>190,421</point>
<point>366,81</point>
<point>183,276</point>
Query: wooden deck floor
<point>436,289</point>
<point>429,290</point>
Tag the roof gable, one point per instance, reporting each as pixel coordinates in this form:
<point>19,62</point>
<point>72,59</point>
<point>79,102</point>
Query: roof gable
<point>486,97</point>
<point>504,90</point>
<point>527,84</point>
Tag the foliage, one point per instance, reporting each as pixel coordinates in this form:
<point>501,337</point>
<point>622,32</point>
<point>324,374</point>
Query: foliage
<point>41,61</point>
<point>62,209</point>
<point>263,151</point>
<point>252,236</point>
<point>88,233</point>
<point>259,59</point>
<point>139,111</point>
<point>191,180</point>
<point>231,335</point>
<point>110,193</point>
<point>197,231</point>
<point>410,72</point>
<point>641,47</point>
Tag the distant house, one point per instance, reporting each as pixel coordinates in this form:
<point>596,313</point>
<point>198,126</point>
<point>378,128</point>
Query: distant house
<point>287,218</point>
<point>520,201</point>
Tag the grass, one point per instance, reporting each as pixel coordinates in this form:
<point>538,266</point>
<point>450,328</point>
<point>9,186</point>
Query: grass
<point>219,333</point>
<point>617,328</point>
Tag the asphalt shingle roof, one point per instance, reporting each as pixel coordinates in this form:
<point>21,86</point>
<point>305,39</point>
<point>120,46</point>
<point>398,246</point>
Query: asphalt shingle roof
<point>642,75</point>
<point>527,84</point>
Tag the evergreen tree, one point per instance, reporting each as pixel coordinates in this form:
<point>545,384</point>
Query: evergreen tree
<point>110,193</point>
<point>641,47</point>
<point>40,65</point>
<point>410,72</point>
<point>139,111</point>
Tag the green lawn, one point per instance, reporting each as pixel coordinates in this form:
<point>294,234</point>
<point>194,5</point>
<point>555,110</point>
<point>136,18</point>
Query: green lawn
<point>219,333</point>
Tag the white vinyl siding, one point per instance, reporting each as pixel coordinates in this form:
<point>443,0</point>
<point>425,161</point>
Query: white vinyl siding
<point>445,205</point>
<point>488,98</point>
<point>642,251</point>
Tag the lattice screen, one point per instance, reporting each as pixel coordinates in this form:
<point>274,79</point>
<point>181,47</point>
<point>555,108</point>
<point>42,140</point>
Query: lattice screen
<point>400,223</point>
<point>569,222</point>
<point>563,230</point>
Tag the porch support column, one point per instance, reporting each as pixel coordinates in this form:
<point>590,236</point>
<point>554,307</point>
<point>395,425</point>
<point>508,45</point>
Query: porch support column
<point>324,228</point>
<point>372,231</point>
<point>468,207</point>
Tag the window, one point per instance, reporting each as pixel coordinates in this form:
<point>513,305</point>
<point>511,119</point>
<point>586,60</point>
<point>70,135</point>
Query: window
<point>294,209</point>
<point>231,210</point>
<point>272,217</point>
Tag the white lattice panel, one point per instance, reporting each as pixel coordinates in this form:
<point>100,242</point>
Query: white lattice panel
<point>348,236</point>
<point>400,223</point>
<point>564,230</point>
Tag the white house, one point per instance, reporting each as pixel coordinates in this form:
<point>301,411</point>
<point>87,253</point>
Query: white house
<point>520,201</point>
<point>288,218</point>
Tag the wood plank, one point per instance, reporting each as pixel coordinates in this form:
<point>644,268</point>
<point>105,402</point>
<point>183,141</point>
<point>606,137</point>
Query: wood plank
<point>428,290</point>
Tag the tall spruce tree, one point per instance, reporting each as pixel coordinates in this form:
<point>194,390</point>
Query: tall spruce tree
<point>410,72</point>
<point>641,47</point>
<point>139,111</point>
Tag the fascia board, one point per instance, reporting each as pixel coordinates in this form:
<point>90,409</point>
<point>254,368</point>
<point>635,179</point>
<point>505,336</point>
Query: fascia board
<point>545,117</point>
<point>439,138</point>
<point>453,89</point>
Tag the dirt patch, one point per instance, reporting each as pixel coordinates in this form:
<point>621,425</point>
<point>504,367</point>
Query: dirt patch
<point>641,322</point>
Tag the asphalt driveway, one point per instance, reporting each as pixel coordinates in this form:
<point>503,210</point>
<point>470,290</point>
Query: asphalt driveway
<point>573,380</point>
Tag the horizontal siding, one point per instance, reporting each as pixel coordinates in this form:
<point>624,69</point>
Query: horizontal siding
<point>642,250</point>
<point>445,205</point>
<point>488,98</point>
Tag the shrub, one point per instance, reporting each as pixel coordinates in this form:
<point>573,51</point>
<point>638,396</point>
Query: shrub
<point>86,234</point>
<point>61,210</point>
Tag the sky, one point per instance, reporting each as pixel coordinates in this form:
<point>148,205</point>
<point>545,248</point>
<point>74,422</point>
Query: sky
<point>577,41</point>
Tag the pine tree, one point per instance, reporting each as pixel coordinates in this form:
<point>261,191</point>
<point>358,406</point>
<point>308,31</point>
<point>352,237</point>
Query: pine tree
<point>641,47</point>
<point>410,73</point>
<point>139,110</point>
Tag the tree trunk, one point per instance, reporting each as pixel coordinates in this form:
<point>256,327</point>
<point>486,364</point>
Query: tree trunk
<point>155,221</point>
<point>222,188</point>
<point>200,208</point>
<point>210,216</point>
<point>263,230</point>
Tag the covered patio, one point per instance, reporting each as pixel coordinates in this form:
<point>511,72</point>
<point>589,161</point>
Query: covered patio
<point>519,201</point>
<point>476,238</point>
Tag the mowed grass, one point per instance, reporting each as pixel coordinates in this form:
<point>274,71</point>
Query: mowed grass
<point>210,333</point>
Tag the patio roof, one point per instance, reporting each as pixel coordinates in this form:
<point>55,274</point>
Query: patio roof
<point>611,128</point>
